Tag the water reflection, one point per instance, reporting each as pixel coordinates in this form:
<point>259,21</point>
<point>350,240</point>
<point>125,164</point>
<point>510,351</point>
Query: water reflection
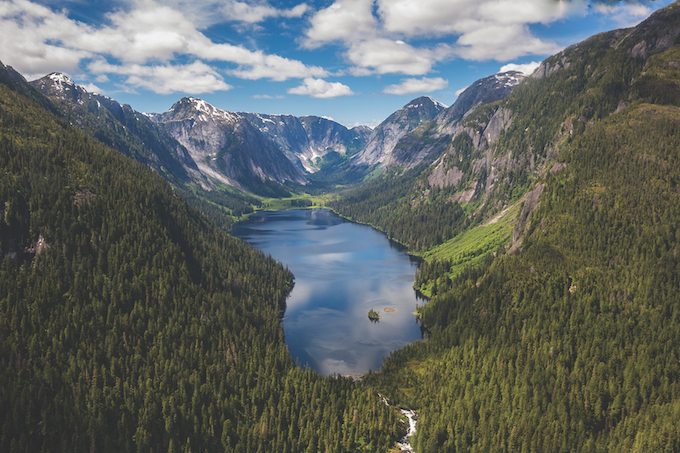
<point>342,270</point>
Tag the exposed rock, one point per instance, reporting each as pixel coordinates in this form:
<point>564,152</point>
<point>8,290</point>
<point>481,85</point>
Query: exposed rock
<point>547,68</point>
<point>531,203</point>
<point>445,178</point>
<point>83,196</point>
<point>384,137</point>
<point>498,123</point>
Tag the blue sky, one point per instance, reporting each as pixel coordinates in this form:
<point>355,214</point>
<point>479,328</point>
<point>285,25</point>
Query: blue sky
<point>355,61</point>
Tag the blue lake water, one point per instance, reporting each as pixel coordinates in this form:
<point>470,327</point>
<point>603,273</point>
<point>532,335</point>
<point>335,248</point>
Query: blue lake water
<point>342,270</point>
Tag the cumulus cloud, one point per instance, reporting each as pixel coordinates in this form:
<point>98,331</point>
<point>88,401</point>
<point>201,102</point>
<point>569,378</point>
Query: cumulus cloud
<point>475,29</point>
<point>344,20</point>
<point>319,88</point>
<point>196,77</point>
<point>92,88</point>
<point>205,13</point>
<point>385,56</point>
<point>624,14</point>
<point>253,13</point>
<point>424,85</point>
<point>141,43</point>
<point>526,68</point>
<point>457,17</point>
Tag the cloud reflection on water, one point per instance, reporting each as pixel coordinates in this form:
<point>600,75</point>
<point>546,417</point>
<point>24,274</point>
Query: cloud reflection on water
<point>341,271</point>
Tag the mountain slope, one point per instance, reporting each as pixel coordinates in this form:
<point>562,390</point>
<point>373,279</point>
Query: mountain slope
<point>306,140</point>
<point>434,138</point>
<point>386,135</point>
<point>568,341</point>
<point>423,205</point>
<point>119,127</point>
<point>129,323</point>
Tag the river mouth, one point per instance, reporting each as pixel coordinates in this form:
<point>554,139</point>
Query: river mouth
<point>342,270</point>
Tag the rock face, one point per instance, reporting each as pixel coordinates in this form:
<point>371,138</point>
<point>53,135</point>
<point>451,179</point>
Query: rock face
<point>198,143</point>
<point>305,140</point>
<point>483,91</point>
<point>385,136</point>
<point>435,137</point>
<point>118,126</point>
<point>225,146</point>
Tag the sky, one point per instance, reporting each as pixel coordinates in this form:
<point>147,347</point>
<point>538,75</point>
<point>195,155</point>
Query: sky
<point>353,61</point>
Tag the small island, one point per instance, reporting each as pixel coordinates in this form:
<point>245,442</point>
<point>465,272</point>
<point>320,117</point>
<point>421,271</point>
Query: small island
<point>373,315</point>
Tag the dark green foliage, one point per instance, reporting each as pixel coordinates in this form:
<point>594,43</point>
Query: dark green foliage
<point>335,169</point>
<point>129,323</point>
<point>304,203</point>
<point>220,206</point>
<point>572,344</point>
<point>391,204</point>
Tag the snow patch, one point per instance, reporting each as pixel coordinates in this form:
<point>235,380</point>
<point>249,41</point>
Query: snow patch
<point>61,80</point>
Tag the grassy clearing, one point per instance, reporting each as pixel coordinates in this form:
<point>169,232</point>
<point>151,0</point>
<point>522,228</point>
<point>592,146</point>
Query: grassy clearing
<point>299,201</point>
<point>470,247</point>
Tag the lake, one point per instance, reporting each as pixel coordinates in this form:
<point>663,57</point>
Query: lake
<point>342,270</point>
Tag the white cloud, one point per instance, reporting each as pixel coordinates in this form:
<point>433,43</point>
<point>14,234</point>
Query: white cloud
<point>424,85</point>
<point>254,13</point>
<point>624,14</point>
<point>476,29</point>
<point>145,41</point>
<point>385,56</point>
<point>501,42</point>
<point>344,20</point>
<point>456,17</point>
<point>319,88</point>
<point>205,13</point>
<point>194,78</point>
<point>276,68</point>
<point>92,88</point>
<point>30,39</point>
<point>526,68</point>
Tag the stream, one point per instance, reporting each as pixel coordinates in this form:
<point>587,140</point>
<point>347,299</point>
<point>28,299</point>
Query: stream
<point>404,443</point>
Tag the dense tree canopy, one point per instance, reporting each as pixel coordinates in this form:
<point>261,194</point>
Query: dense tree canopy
<point>128,322</point>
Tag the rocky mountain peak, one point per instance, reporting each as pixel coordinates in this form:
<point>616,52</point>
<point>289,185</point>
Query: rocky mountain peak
<point>385,136</point>
<point>425,101</point>
<point>61,80</point>
<point>60,86</point>
<point>199,110</point>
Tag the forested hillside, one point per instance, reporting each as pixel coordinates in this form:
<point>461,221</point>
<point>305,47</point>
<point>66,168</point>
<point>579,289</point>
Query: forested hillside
<point>129,323</point>
<point>568,341</point>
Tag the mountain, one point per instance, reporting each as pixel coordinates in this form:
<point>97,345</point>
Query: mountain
<point>227,148</point>
<point>120,127</point>
<point>443,165</point>
<point>208,148</point>
<point>306,140</point>
<point>433,138</point>
<point>386,135</point>
<point>128,322</point>
<point>561,336</point>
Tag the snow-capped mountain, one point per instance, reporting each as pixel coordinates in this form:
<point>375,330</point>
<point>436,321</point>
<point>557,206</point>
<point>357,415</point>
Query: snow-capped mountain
<point>225,146</point>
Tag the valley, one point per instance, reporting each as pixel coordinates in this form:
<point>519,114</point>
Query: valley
<point>545,209</point>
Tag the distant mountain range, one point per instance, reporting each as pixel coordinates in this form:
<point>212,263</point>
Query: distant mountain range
<point>195,142</point>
